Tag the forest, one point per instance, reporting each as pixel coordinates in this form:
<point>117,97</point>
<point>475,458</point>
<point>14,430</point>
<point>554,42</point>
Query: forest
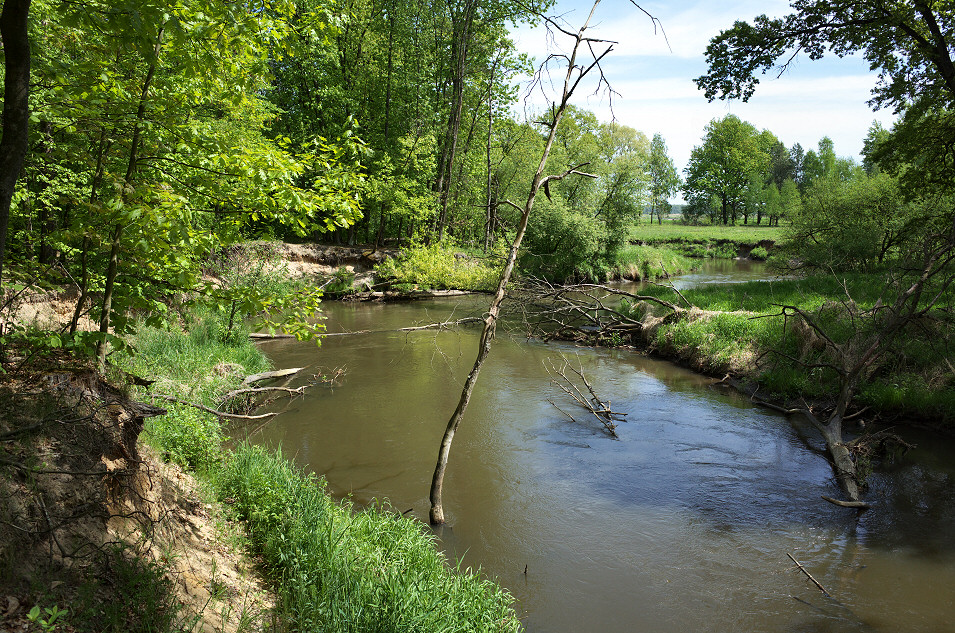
<point>158,160</point>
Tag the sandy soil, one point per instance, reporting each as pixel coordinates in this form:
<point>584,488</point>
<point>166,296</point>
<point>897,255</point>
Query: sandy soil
<point>74,484</point>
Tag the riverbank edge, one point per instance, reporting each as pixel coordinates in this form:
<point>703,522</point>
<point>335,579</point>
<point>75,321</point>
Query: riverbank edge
<point>293,522</point>
<point>738,372</point>
<point>431,591</point>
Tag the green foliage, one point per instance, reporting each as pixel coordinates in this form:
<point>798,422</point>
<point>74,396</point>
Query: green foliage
<point>441,265</point>
<point>562,244</point>
<point>721,168</point>
<point>152,148</point>
<point>856,224</point>
<point>342,282</point>
<point>48,623</point>
<point>759,253</point>
<point>345,570</point>
<point>664,179</point>
<point>253,282</point>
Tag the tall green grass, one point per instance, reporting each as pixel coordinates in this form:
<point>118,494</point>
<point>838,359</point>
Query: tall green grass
<point>356,571</point>
<point>650,262</point>
<point>199,365</point>
<point>673,232</point>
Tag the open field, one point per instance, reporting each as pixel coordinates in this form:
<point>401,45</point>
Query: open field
<point>670,232</point>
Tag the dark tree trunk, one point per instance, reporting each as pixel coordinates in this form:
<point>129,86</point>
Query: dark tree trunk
<point>14,33</point>
<point>461,40</point>
<point>117,236</point>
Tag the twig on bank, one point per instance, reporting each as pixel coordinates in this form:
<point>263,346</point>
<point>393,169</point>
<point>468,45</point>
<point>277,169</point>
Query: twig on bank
<point>221,414</point>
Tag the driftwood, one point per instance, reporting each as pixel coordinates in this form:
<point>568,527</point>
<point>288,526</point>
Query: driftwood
<point>861,505</point>
<point>593,404</point>
<point>267,336</point>
<point>809,576</point>
<point>267,375</point>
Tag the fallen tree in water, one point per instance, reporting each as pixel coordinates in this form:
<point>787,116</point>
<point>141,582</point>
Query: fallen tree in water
<point>837,343</point>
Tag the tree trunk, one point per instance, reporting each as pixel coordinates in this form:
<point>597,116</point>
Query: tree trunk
<point>461,40</point>
<point>113,267</point>
<point>14,34</point>
<point>490,322</point>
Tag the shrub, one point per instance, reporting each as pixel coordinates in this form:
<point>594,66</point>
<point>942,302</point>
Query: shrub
<point>441,266</point>
<point>759,253</point>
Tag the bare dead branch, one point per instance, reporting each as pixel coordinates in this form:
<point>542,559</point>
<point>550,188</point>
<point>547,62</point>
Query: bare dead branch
<point>221,414</point>
<point>808,575</point>
<point>592,404</point>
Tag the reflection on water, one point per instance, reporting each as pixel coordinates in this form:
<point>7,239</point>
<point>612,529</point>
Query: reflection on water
<point>682,524</point>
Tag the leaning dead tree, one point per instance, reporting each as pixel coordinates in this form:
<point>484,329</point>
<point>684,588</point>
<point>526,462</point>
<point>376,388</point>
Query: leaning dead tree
<point>584,58</point>
<point>908,297</point>
<point>561,377</point>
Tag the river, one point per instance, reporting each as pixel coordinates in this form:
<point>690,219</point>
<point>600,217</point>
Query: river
<point>682,524</point>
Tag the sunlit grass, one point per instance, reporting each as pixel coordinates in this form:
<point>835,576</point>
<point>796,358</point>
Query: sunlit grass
<point>345,570</point>
<point>749,234</point>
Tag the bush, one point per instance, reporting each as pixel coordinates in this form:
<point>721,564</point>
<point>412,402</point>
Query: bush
<point>441,266</point>
<point>563,245</point>
<point>759,253</point>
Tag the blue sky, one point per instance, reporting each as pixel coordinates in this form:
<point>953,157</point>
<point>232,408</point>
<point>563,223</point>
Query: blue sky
<point>657,94</point>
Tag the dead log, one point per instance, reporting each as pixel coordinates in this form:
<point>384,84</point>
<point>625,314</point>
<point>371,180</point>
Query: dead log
<point>267,375</point>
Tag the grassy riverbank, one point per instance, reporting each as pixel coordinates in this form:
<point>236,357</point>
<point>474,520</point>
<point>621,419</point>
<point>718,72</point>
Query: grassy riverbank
<point>711,242</point>
<point>739,328</point>
<point>748,234</point>
<point>334,568</point>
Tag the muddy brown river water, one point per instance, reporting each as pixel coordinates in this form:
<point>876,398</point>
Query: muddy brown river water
<point>682,524</point>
